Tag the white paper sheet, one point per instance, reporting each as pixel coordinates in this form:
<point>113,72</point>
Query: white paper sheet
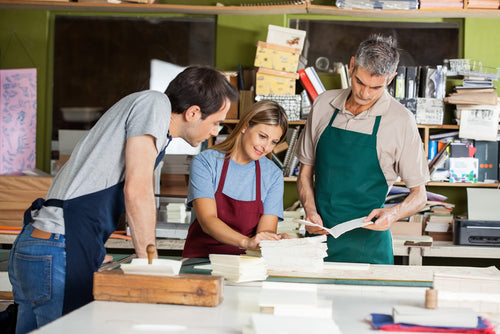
<point>159,267</point>
<point>339,229</point>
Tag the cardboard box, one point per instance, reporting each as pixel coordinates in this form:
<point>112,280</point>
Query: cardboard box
<point>270,82</point>
<point>406,228</point>
<point>277,57</point>
<point>17,120</point>
<point>18,192</point>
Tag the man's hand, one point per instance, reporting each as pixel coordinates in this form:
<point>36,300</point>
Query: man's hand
<point>315,218</point>
<point>107,259</point>
<point>385,218</point>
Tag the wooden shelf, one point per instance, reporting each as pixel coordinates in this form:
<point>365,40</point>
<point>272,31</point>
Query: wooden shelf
<point>462,185</point>
<point>305,8</point>
<point>156,7</point>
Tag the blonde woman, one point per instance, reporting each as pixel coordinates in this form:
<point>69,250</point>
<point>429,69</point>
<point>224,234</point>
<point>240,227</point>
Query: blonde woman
<point>235,191</point>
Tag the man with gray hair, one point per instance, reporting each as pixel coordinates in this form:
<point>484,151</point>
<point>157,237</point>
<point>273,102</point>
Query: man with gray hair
<point>356,143</point>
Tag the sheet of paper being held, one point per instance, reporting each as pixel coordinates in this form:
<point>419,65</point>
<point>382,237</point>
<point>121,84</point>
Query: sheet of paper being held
<point>339,229</point>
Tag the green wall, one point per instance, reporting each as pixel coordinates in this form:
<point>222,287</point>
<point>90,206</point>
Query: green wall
<point>26,41</point>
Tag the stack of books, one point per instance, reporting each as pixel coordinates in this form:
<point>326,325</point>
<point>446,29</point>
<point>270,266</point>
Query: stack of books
<point>378,4</point>
<point>300,254</point>
<point>448,4</point>
<point>440,221</point>
<point>477,87</point>
<point>238,268</point>
<point>483,4</point>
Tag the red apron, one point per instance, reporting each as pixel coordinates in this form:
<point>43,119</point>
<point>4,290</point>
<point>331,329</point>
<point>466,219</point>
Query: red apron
<point>241,216</point>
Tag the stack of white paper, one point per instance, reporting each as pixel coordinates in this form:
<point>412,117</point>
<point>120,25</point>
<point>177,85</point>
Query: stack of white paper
<point>272,324</point>
<point>176,213</point>
<point>238,268</point>
<point>300,254</point>
<point>440,317</point>
<point>293,300</point>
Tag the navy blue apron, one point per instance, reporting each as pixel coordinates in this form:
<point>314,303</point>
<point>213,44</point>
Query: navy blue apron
<point>89,220</point>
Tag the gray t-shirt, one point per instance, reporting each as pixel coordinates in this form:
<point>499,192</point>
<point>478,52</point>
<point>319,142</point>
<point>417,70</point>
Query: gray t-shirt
<point>98,160</point>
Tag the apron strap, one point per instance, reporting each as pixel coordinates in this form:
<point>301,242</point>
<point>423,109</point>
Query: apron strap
<point>257,182</point>
<point>37,205</point>
<point>333,117</point>
<point>376,125</point>
<point>223,173</point>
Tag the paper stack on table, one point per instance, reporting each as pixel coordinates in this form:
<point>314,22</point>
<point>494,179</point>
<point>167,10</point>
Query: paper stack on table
<point>238,268</point>
<point>300,254</point>
<point>176,213</point>
<point>292,308</point>
<point>440,317</point>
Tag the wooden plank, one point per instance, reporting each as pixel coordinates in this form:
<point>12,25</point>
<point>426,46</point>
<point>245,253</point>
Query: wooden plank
<point>185,289</point>
<point>11,222</point>
<point>36,183</point>
<point>12,214</point>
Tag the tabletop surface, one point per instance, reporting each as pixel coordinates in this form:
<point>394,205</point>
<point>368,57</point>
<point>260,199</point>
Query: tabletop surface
<point>352,305</point>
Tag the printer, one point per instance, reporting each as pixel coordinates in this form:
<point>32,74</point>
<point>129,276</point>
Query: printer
<point>482,226</point>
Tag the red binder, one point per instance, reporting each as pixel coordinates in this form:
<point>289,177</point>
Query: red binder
<point>304,79</point>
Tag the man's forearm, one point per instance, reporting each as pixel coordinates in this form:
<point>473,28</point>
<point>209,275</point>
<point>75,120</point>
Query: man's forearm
<point>413,203</point>
<point>305,189</point>
<point>141,217</point>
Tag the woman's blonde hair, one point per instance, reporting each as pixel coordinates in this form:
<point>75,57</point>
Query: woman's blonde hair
<point>263,112</point>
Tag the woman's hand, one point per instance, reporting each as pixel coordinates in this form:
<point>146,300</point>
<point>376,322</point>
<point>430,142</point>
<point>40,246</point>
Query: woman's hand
<point>253,243</point>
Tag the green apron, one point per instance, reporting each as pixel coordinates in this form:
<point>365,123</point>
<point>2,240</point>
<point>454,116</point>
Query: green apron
<point>350,184</point>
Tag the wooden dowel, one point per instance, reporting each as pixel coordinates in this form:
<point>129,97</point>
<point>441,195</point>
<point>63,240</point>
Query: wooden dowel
<point>151,250</point>
<point>431,298</point>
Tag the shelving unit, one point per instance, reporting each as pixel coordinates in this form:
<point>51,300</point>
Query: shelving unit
<point>427,129</point>
<point>306,8</point>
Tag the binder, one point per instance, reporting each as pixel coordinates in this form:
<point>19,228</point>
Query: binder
<point>304,79</point>
<point>411,82</point>
<point>314,78</point>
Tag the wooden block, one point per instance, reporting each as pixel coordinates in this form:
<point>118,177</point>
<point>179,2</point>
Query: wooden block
<point>185,289</point>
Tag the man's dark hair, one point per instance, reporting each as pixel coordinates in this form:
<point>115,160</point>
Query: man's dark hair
<point>202,86</point>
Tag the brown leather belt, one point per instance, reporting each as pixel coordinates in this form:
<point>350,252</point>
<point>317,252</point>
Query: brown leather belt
<point>39,234</point>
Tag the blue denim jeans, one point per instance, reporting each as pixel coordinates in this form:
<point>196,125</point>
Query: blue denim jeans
<point>37,270</point>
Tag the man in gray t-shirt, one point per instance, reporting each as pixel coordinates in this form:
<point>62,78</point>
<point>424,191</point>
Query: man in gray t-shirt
<point>53,259</point>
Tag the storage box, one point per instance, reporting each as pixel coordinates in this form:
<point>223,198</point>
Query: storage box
<point>463,170</point>
<point>270,82</point>
<point>18,192</point>
<point>290,37</point>
<point>17,120</point>
<point>277,57</point>
<point>291,104</point>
